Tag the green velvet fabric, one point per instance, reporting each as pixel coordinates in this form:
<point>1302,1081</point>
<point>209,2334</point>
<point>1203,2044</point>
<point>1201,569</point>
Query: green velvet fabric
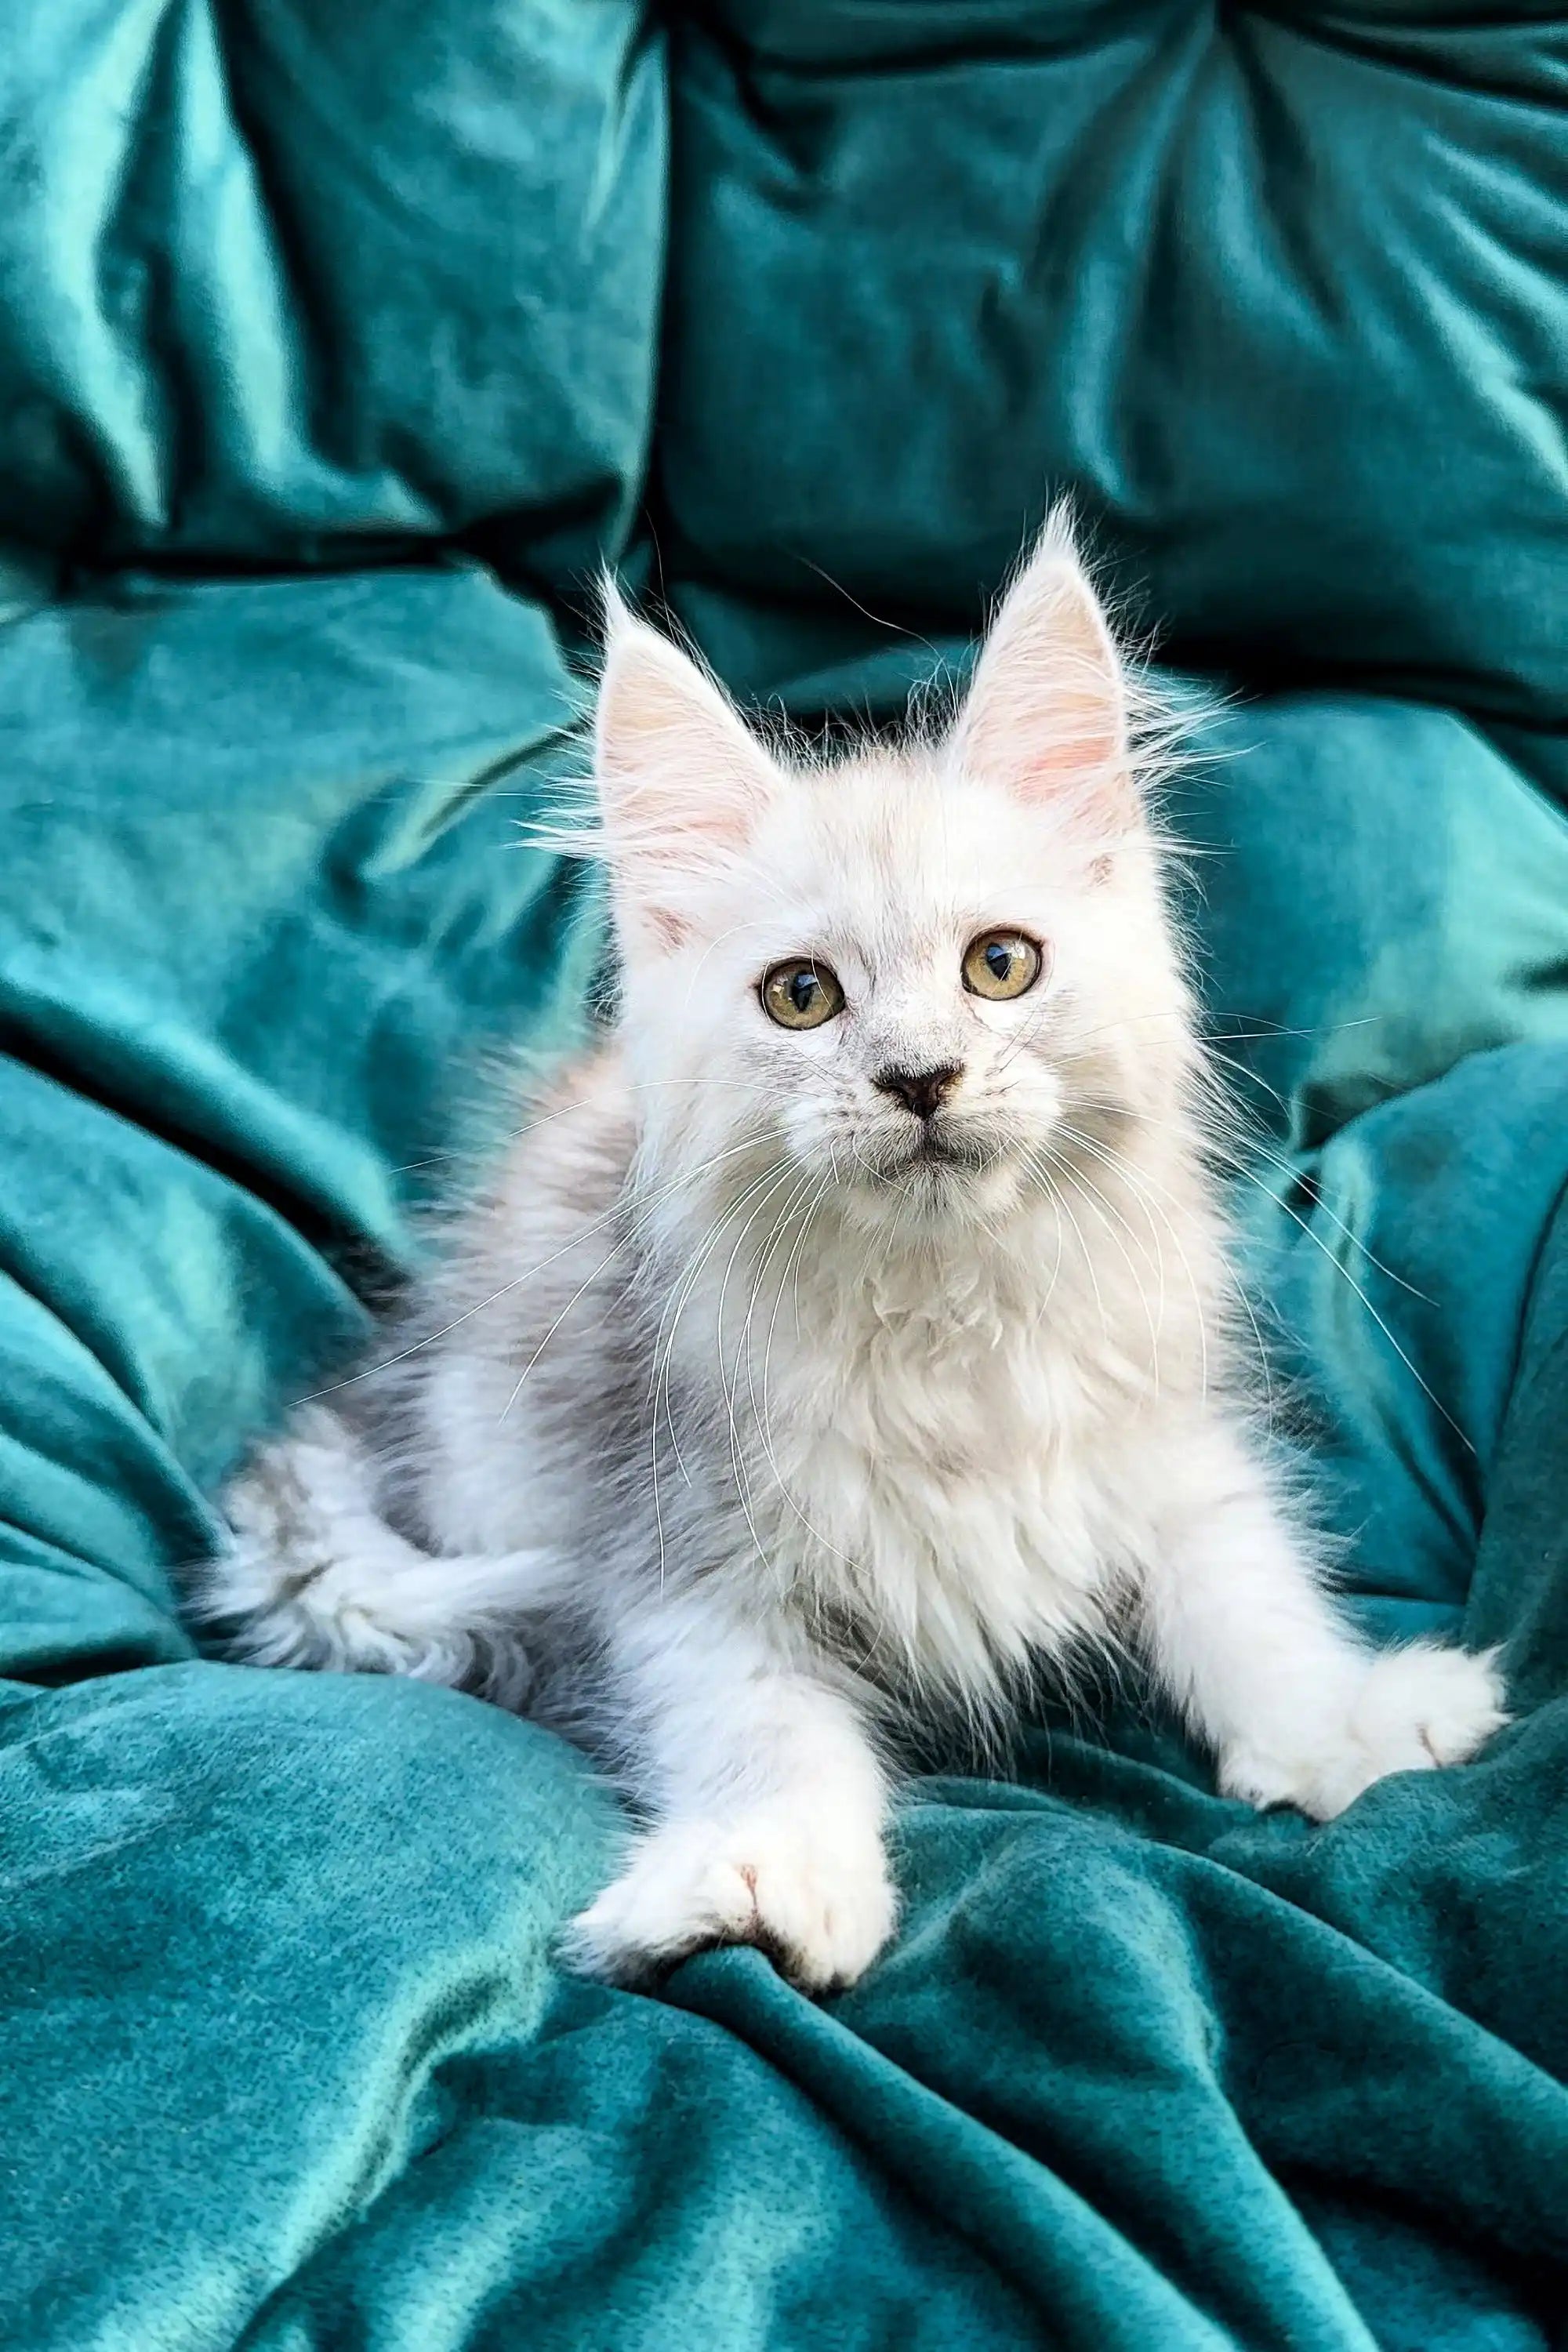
<point>337,346</point>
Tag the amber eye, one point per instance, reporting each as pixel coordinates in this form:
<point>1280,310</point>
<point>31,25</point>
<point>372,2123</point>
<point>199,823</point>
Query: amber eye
<point>801,994</point>
<point>1000,965</point>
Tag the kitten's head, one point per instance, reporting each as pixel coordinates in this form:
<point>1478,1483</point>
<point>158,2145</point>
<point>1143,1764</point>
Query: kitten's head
<point>918,979</point>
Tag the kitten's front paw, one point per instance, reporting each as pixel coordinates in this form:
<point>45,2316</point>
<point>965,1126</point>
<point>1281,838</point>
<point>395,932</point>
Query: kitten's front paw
<point>1411,1711</point>
<point>821,1906</point>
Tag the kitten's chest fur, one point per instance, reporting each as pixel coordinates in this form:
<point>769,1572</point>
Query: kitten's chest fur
<point>926,1451</point>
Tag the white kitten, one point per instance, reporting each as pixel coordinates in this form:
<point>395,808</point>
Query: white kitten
<point>849,1334</point>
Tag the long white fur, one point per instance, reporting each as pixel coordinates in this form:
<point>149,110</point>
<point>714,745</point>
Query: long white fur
<point>729,1434</point>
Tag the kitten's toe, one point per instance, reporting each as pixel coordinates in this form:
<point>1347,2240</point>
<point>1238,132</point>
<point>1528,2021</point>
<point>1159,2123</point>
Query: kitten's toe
<point>1428,1704</point>
<point>1412,1710</point>
<point>674,1896</point>
<point>821,1909</point>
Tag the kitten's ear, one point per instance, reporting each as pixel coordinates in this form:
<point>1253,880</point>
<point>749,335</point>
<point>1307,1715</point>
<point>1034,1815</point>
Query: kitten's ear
<point>681,779</point>
<point>1046,711</point>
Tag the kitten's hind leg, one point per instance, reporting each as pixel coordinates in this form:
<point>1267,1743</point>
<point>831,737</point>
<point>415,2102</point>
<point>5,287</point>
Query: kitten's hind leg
<point>1246,1639</point>
<point>314,1576</point>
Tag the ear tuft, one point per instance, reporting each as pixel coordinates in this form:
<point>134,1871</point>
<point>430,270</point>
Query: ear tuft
<point>1046,713</point>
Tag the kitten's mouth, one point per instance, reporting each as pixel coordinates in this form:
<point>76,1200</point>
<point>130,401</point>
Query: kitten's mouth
<point>939,1156</point>
<point>943,1148</point>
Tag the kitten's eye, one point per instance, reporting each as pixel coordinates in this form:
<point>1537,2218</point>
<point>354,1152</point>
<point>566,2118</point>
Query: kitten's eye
<point>801,994</point>
<point>1001,965</point>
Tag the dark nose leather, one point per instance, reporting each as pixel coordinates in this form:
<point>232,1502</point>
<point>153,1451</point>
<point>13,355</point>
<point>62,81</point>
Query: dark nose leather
<point>921,1091</point>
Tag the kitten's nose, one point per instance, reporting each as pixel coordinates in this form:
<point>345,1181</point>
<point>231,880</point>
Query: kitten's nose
<point>921,1091</point>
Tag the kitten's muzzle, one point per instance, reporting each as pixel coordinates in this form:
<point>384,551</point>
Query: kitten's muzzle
<point>921,1091</point>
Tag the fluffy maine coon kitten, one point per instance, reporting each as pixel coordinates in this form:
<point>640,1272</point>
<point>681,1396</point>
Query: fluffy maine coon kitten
<point>847,1336</point>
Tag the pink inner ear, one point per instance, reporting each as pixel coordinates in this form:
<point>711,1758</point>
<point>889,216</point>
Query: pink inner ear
<point>1046,714</point>
<point>1081,742</point>
<point>680,775</point>
<point>669,929</point>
